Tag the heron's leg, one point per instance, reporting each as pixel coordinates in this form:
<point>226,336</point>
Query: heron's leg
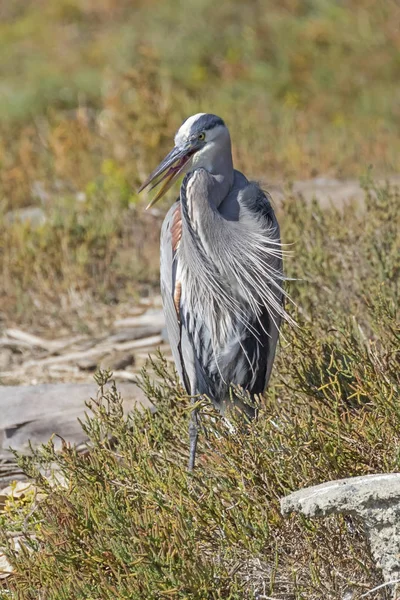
<point>193,435</point>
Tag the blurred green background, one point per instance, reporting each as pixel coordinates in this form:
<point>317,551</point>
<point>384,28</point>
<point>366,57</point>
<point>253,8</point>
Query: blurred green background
<point>92,91</point>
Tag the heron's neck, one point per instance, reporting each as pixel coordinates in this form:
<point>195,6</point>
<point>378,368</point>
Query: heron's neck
<point>218,165</point>
<point>223,174</point>
<point>201,194</point>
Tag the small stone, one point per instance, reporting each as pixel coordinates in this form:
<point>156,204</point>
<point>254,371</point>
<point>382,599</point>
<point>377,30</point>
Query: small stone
<point>17,489</point>
<point>5,567</point>
<point>5,359</point>
<point>87,364</point>
<point>118,362</point>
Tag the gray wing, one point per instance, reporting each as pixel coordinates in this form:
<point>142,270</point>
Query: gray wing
<point>247,355</point>
<point>272,320</point>
<point>258,346</point>
<point>171,233</point>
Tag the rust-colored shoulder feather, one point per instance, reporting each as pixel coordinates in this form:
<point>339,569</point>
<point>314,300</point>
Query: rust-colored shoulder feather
<point>176,235</point>
<point>176,229</point>
<point>177,298</point>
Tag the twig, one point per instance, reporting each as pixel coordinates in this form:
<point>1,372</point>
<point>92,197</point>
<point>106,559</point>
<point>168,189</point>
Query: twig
<point>28,338</point>
<point>13,344</point>
<point>378,587</point>
<point>152,319</point>
<point>24,340</point>
<point>126,375</point>
<point>98,350</point>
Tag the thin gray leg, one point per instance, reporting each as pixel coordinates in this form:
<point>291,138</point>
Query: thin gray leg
<point>193,435</point>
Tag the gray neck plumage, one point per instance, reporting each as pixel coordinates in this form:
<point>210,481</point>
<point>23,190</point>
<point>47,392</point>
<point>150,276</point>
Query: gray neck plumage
<point>202,192</point>
<point>208,184</point>
<point>201,195</point>
<point>221,174</point>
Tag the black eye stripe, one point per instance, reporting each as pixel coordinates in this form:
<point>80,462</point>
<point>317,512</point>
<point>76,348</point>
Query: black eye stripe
<point>208,122</point>
<point>204,123</point>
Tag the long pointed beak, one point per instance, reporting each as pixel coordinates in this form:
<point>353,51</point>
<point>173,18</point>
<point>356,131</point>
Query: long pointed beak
<point>168,171</point>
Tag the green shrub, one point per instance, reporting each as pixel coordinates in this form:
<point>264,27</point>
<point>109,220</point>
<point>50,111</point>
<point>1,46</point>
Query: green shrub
<point>129,521</point>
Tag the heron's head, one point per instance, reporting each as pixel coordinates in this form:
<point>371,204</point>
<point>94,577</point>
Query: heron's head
<point>200,142</point>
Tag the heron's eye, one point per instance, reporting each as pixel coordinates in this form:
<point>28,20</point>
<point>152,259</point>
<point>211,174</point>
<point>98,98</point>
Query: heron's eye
<point>201,136</point>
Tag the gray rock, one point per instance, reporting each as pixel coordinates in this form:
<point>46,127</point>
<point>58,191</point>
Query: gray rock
<point>330,191</point>
<point>375,499</point>
<point>32,214</point>
<point>35,412</point>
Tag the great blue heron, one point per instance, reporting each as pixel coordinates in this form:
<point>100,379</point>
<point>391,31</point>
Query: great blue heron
<point>221,269</point>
